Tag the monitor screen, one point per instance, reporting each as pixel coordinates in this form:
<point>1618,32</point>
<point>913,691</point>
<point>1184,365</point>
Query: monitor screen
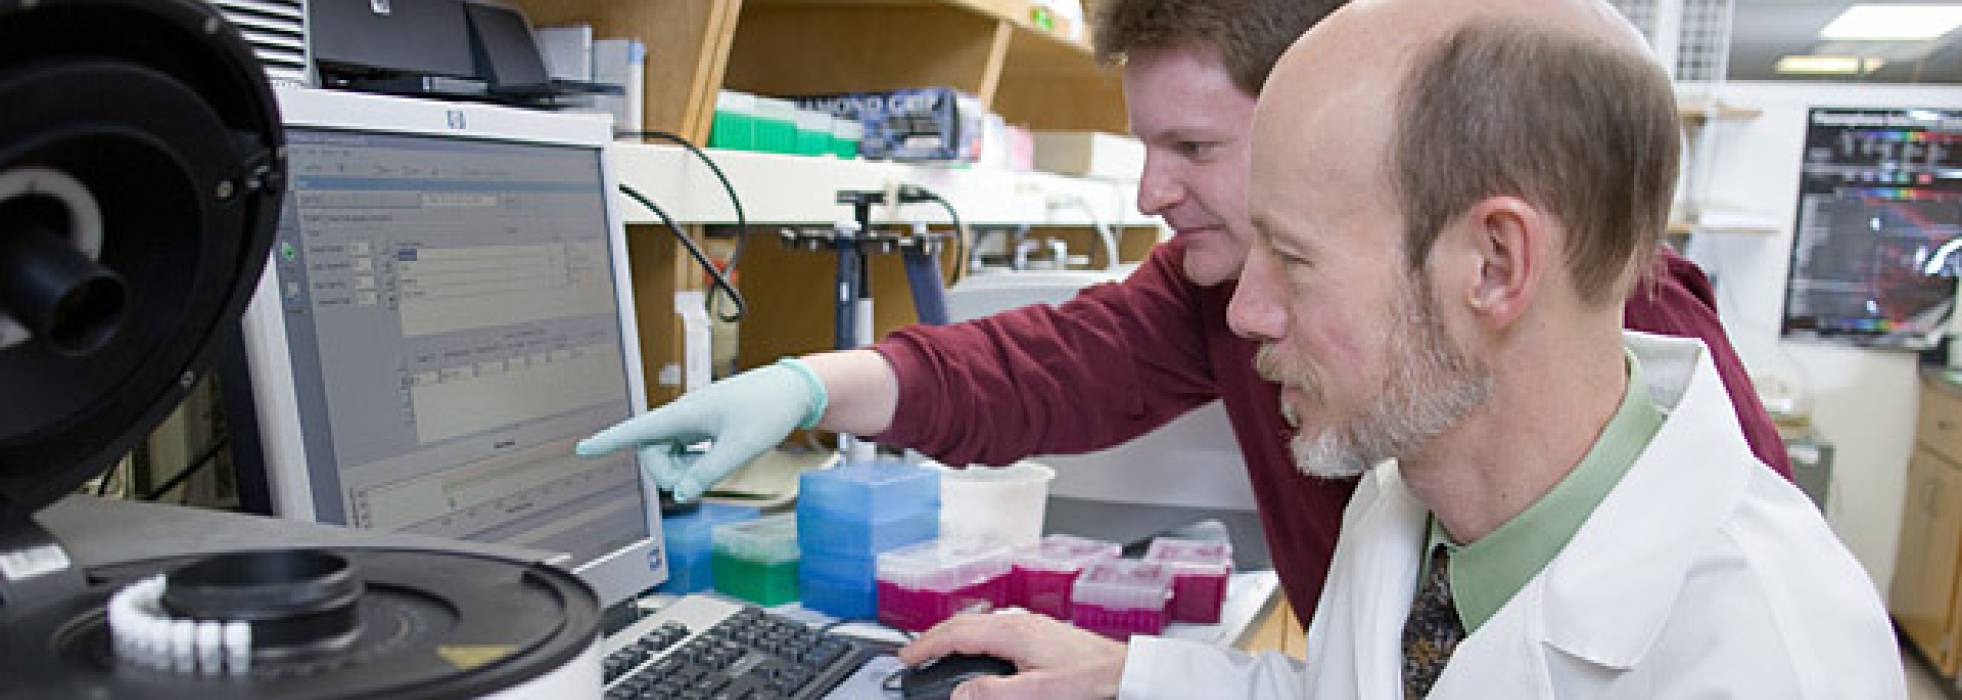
<point>1879,221</point>
<point>443,317</point>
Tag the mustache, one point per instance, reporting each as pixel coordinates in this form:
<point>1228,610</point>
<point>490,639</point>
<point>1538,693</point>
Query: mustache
<point>1268,365</point>
<point>1271,367</point>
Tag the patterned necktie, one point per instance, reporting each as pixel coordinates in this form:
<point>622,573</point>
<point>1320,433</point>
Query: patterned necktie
<point>1432,631</point>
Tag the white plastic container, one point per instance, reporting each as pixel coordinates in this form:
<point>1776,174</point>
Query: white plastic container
<point>1003,505</point>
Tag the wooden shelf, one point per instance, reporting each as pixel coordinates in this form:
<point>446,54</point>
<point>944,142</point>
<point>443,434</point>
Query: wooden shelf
<point>687,50</point>
<point>801,48</point>
<point>1019,13</point>
<point>1715,111</point>
<point>1053,83</point>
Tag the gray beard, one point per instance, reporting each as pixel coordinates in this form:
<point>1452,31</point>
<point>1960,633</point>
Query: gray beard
<point>1432,386</point>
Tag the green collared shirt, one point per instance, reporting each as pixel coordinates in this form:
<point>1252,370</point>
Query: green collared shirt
<point>1487,573</point>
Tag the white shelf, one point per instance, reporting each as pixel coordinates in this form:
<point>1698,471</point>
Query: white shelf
<point>1684,228</point>
<point>780,189</point>
<point>1727,221</point>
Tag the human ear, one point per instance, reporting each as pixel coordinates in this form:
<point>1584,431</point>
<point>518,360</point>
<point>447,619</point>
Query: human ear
<point>1511,245</point>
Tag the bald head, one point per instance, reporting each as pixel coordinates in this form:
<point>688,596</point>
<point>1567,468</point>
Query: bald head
<point>1387,34</point>
<point>1443,104</point>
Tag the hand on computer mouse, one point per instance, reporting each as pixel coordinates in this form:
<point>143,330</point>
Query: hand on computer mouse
<point>937,679</point>
<point>1054,659</point>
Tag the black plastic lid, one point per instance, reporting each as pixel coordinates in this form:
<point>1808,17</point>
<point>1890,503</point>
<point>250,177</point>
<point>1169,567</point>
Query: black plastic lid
<point>159,110</point>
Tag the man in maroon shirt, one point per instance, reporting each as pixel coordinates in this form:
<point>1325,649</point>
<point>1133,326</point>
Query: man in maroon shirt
<point>1119,359</point>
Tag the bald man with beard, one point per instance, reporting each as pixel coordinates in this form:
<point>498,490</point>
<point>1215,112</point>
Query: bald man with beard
<point>1451,204</point>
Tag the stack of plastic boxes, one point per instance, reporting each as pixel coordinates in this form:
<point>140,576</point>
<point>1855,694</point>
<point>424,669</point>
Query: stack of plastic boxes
<point>847,516</point>
<point>928,582</point>
<point>756,560</point>
<point>1122,597</point>
<point>688,538</point>
<point>745,122</point>
<point>1199,572</point>
<point>1042,573</point>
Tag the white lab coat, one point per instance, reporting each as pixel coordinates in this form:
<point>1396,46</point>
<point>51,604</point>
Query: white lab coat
<point>1702,574</point>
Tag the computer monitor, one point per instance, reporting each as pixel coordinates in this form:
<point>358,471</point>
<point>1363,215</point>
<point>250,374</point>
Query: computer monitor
<point>1874,252</point>
<point>445,312</point>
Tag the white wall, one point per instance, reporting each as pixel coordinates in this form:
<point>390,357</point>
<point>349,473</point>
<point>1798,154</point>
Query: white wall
<point>1864,401</point>
<point>1153,468</point>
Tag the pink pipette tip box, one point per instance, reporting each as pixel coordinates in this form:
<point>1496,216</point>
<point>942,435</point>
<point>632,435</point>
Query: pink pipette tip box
<point>1043,573</point>
<point>1199,572</point>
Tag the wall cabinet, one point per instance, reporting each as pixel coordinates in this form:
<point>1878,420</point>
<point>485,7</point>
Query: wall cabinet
<point>1924,597</point>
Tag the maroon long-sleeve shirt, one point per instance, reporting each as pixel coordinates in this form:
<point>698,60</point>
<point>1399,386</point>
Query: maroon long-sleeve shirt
<point>1123,358</point>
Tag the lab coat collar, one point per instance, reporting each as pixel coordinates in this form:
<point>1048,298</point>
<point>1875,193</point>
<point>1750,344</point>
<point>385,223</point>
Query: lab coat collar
<point>1397,517</point>
<point>1626,565</point>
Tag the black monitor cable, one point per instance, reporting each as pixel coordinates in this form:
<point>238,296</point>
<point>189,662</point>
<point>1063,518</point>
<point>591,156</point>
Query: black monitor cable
<point>209,455</point>
<point>742,220</point>
<point>907,192</point>
<point>695,251</point>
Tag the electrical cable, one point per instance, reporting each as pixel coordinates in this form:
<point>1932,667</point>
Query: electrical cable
<point>109,475</point>
<point>204,458</point>
<point>960,229</point>
<point>694,251</point>
<point>742,220</point>
<point>1105,234</point>
<point>960,241</point>
<point>102,482</point>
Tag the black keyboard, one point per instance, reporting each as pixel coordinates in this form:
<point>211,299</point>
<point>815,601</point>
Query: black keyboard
<point>702,648</point>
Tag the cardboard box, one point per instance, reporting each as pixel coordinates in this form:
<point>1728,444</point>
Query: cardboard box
<point>1089,154</point>
<point>916,124</point>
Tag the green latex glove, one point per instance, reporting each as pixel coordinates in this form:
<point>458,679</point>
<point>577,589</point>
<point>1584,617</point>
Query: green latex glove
<point>741,416</point>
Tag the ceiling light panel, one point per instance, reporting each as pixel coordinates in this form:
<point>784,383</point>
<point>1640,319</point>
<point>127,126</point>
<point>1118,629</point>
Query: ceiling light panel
<point>1870,22</point>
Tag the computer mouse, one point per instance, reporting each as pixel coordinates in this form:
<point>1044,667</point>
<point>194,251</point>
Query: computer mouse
<point>935,680</point>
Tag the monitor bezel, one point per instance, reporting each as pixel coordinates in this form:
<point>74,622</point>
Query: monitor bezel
<point>616,575</point>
